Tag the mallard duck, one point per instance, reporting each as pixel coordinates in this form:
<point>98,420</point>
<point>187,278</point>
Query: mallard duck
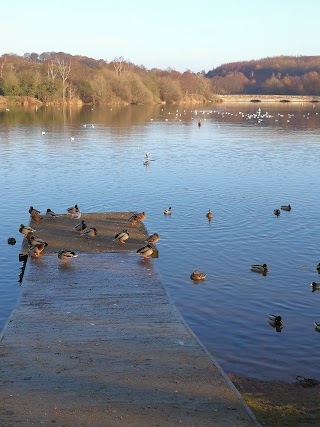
<point>286,207</point>
<point>277,212</point>
<point>80,227</point>
<point>36,241</point>
<point>36,251</point>
<point>275,321</point>
<point>66,255</point>
<point>122,236</point>
<point>90,232</point>
<point>33,210</point>
<point>36,218</point>
<point>257,268</point>
<point>197,276</point>
<point>167,211</point>
<point>153,238</point>
<point>209,214</point>
<point>51,214</point>
<point>315,286</point>
<point>146,251</point>
<point>317,326</point>
<point>318,268</point>
<point>24,229</point>
<point>73,209</point>
<point>137,217</point>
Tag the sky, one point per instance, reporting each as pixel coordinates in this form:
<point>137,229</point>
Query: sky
<point>178,34</point>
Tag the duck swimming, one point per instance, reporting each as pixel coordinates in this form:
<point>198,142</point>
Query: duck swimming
<point>276,322</point>
<point>315,286</point>
<point>146,251</point>
<point>277,212</point>
<point>257,268</point>
<point>286,208</point>
<point>209,215</point>
<point>317,326</point>
<point>153,238</point>
<point>197,276</point>
<point>122,236</point>
<point>66,255</point>
<point>24,229</point>
<point>167,211</point>
<point>318,268</point>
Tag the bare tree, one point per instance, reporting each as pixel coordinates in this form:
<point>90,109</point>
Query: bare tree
<point>52,70</point>
<point>119,65</point>
<point>64,69</point>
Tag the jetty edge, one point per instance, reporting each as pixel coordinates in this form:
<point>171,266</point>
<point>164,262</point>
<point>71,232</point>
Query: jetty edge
<point>99,342</point>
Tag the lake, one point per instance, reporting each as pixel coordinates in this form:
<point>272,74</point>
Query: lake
<point>244,161</point>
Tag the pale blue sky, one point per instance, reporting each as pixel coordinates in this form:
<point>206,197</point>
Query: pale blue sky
<point>179,34</point>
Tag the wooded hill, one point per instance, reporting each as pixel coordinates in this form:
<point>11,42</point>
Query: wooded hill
<point>287,75</point>
<point>53,77</point>
<point>60,77</point>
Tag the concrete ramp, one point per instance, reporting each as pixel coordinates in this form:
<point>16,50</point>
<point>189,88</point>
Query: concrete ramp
<point>98,342</point>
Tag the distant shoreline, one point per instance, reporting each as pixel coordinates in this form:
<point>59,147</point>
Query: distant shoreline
<point>269,98</point>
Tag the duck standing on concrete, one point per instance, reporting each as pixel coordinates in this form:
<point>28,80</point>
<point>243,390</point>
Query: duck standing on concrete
<point>35,241</point>
<point>51,214</point>
<point>36,251</point>
<point>25,230</point>
<point>36,218</point>
<point>146,251</point>
<point>73,209</point>
<point>122,236</point>
<point>80,227</point>
<point>90,232</point>
<point>137,217</point>
<point>32,210</point>
<point>66,255</point>
<point>153,238</point>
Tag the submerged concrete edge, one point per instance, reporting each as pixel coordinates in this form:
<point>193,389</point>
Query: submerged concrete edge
<point>211,357</point>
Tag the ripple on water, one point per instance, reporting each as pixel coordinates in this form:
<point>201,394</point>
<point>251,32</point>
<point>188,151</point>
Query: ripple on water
<point>241,171</point>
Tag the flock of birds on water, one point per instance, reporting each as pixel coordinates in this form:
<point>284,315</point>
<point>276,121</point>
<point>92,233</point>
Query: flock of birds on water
<point>36,245</point>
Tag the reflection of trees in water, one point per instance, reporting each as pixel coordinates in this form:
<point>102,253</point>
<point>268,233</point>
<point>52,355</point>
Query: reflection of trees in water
<point>120,118</point>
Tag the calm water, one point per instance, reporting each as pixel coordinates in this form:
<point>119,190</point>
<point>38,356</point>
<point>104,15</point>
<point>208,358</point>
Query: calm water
<point>241,167</point>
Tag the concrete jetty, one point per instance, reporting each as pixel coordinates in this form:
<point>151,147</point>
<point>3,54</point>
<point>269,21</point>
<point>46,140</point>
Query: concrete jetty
<point>98,342</point>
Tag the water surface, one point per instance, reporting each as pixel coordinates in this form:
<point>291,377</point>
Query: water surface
<point>239,165</point>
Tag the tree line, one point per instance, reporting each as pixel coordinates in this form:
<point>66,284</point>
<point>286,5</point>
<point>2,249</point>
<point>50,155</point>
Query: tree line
<point>282,75</point>
<point>59,77</point>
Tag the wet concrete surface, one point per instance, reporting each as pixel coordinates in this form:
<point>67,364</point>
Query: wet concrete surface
<point>98,342</point>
